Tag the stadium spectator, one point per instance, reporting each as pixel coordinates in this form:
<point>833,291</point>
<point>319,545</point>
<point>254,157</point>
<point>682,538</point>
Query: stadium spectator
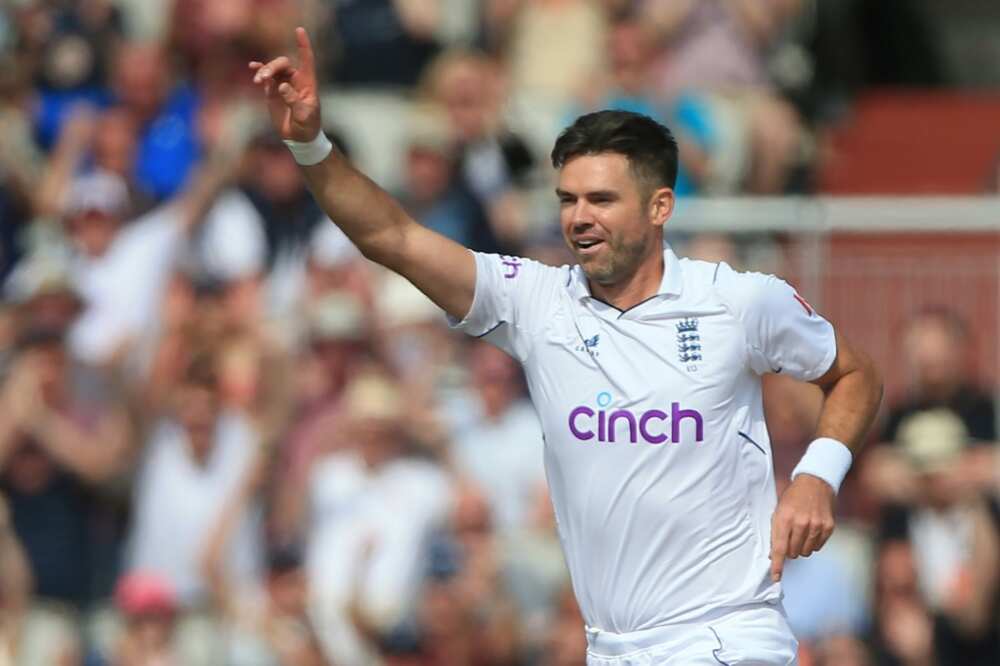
<point>268,624</point>
<point>903,630</point>
<point>953,533</point>
<point>68,48</point>
<point>500,447</point>
<point>382,43</point>
<point>195,456</point>
<point>40,290</point>
<point>121,270</point>
<point>433,194</point>
<point>716,50</point>
<point>148,605</point>
<point>92,141</point>
<point>374,506</point>
<point>337,351</point>
<point>166,115</point>
<point>58,447</point>
<point>627,86</point>
<point>936,345</point>
<point>493,160</point>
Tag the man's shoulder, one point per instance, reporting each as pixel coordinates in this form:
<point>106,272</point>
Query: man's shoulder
<point>514,269</point>
<point>731,286</point>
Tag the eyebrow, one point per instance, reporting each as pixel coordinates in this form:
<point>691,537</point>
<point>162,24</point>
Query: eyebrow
<point>595,193</point>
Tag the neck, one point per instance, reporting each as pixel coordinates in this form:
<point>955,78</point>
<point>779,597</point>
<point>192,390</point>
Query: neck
<point>642,284</point>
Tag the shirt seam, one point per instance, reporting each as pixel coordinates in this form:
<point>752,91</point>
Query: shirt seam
<point>731,311</point>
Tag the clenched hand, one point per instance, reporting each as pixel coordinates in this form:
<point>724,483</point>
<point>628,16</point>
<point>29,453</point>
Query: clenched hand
<point>802,522</point>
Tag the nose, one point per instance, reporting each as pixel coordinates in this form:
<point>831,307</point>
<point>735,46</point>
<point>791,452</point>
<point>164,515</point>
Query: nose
<point>582,215</point>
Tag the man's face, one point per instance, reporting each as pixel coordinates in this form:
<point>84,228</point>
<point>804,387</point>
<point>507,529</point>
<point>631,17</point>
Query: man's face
<point>466,96</point>
<point>935,353</point>
<point>605,218</point>
<point>92,232</point>
<point>197,408</point>
<point>288,592</point>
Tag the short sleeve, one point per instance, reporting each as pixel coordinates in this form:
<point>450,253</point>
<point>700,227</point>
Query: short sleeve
<point>511,300</point>
<point>784,333</point>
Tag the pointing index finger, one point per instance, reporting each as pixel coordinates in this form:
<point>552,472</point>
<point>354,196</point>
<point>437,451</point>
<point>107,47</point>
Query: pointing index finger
<point>779,547</point>
<point>307,62</point>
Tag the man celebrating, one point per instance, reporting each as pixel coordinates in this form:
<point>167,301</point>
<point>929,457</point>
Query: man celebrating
<point>645,371</point>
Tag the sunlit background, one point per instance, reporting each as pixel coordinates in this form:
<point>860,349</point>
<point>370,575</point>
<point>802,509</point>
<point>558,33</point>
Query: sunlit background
<point>226,438</point>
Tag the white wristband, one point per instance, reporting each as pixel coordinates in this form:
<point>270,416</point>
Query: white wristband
<point>308,153</point>
<point>828,459</point>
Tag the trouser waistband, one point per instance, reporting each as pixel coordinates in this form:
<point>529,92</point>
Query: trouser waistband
<point>610,644</point>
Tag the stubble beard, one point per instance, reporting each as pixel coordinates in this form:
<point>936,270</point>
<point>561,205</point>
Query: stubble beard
<point>623,258</point>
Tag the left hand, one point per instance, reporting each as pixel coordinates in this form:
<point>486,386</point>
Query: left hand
<point>802,522</point>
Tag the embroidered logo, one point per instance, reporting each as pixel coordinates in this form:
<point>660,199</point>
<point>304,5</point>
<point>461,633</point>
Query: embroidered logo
<point>511,266</point>
<point>689,343</point>
<point>590,345</point>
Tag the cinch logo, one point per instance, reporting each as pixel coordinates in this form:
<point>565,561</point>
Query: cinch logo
<point>651,425</point>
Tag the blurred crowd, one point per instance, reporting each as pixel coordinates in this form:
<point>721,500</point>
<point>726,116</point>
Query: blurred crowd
<point>226,438</point>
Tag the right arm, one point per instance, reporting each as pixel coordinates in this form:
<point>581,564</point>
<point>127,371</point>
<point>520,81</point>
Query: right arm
<point>376,223</point>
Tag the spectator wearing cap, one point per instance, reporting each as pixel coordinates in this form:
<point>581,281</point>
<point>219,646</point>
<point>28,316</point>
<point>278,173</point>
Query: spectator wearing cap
<point>148,605</point>
<point>374,506</point>
<point>41,290</point>
<point>121,271</point>
<point>953,531</point>
<point>92,140</point>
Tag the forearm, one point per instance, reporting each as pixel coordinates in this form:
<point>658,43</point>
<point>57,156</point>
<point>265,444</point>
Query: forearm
<point>8,435</point>
<point>850,407</point>
<point>93,456</point>
<point>373,220</point>
<point>15,573</point>
<point>213,556</point>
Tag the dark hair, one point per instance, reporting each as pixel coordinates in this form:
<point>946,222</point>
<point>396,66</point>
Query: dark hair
<point>649,146</point>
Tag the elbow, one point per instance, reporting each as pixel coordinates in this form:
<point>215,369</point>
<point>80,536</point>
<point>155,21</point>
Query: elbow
<point>873,378</point>
<point>386,247</point>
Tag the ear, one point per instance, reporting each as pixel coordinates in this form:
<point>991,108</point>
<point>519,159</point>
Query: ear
<point>661,206</point>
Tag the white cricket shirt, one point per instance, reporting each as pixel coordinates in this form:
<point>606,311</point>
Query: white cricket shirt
<point>656,452</point>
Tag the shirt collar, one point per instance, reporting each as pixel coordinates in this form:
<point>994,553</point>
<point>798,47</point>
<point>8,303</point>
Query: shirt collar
<point>672,283</point>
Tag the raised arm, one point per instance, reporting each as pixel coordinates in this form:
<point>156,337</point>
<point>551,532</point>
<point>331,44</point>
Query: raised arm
<point>442,269</point>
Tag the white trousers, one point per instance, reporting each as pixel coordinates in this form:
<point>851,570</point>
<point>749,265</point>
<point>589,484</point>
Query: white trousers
<point>756,635</point>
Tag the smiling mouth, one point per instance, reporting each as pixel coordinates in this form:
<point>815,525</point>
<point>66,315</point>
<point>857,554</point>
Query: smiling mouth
<point>587,246</point>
